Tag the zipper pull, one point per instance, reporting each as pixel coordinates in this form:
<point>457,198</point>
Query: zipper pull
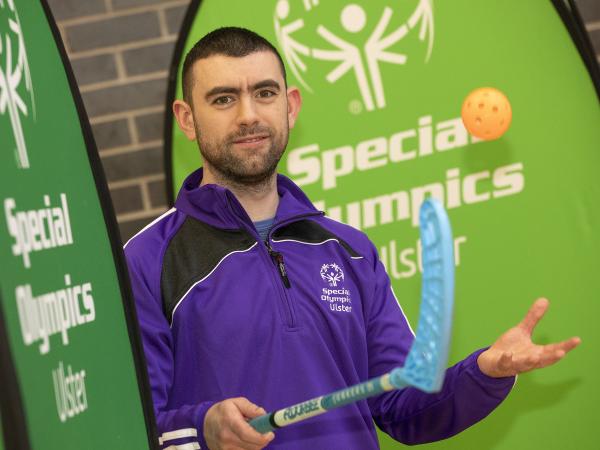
<point>278,260</point>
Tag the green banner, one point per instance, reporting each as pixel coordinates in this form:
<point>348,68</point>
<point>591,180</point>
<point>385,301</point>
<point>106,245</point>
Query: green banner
<point>380,128</point>
<point>70,324</point>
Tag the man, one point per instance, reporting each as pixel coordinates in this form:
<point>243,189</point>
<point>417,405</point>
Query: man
<point>227,288</point>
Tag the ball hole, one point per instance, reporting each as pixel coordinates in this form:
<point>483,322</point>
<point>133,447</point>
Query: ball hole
<point>495,108</point>
<point>478,120</point>
<point>481,105</point>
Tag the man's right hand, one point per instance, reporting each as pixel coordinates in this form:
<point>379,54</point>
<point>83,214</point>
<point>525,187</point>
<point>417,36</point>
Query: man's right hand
<point>226,426</point>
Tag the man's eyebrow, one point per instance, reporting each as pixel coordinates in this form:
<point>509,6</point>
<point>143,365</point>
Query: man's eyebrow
<point>266,83</point>
<point>234,90</point>
<point>222,90</point>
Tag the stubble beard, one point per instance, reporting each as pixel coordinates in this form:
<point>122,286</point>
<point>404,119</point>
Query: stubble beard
<point>255,169</point>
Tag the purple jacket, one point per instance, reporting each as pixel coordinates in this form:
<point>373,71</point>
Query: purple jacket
<point>223,314</point>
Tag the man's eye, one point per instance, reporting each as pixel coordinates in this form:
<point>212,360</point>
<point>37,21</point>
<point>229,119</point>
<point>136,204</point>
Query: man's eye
<point>225,100</point>
<point>266,94</point>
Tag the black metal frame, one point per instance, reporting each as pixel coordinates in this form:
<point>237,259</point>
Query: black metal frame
<point>569,13</point>
<point>14,426</point>
<point>188,21</point>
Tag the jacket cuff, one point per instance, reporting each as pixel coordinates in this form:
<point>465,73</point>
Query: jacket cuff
<point>495,387</point>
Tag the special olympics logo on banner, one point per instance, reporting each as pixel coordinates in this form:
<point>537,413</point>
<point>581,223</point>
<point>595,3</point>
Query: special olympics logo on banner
<point>337,42</point>
<point>16,89</point>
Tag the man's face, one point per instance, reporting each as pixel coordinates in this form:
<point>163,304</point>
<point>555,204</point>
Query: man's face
<point>240,112</point>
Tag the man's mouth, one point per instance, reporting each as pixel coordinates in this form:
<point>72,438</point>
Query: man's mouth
<point>251,139</point>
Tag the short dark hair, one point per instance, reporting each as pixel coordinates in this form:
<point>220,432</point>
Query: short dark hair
<point>228,41</point>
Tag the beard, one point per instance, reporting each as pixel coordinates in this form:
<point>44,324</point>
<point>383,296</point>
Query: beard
<point>244,168</point>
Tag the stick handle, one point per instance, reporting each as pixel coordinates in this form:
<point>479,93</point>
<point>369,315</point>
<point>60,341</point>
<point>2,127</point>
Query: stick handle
<point>320,405</point>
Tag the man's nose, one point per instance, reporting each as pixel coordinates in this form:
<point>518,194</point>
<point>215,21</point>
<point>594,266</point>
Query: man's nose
<point>247,114</point>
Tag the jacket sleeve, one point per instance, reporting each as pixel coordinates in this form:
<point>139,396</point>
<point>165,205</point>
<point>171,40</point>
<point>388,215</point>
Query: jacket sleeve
<point>176,426</point>
<point>410,415</point>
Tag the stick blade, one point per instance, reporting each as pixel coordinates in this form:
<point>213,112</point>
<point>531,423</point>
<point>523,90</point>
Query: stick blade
<point>427,360</point>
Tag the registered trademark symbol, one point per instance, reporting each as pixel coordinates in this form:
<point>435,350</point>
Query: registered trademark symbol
<point>355,106</point>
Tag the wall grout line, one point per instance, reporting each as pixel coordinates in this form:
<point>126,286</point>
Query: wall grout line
<point>145,196</point>
<point>120,65</point>
<point>130,149</point>
<point>137,180</point>
<point>133,148</point>
<point>135,139</point>
<point>122,47</point>
<point>592,26</point>
<point>152,76</point>
<point>125,114</point>
<point>162,22</point>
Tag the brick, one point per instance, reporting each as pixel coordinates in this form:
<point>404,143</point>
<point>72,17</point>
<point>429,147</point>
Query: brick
<point>149,59</point>
<point>595,38</point>
<point>589,9</point>
<point>174,18</point>
<point>134,164</point>
<point>141,94</point>
<point>127,199</point>
<point>158,194</point>
<point>113,31</point>
<point>69,9</point>
<point>150,126</point>
<point>94,69</point>
<point>130,227</point>
<point>122,4</point>
<point>111,134</point>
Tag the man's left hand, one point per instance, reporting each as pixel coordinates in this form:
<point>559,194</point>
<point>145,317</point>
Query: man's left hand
<point>514,352</point>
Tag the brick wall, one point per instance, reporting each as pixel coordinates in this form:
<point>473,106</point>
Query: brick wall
<point>120,51</point>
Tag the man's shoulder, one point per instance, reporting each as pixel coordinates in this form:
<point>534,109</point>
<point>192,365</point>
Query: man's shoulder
<point>356,239</point>
<point>148,242</point>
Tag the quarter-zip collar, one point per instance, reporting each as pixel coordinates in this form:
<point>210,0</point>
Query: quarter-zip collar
<point>218,206</point>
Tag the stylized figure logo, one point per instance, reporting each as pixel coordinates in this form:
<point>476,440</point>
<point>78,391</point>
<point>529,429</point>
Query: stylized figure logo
<point>363,60</point>
<point>290,47</point>
<point>14,70</point>
<point>332,273</point>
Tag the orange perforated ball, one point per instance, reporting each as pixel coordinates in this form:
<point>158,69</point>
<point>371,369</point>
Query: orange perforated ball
<point>486,113</point>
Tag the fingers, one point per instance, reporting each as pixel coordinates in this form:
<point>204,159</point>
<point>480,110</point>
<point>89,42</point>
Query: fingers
<point>249,436</point>
<point>226,426</point>
<point>243,430</point>
<point>564,346</point>
<point>247,408</point>
<point>552,353</point>
<point>541,356</point>
<point>535,313</point>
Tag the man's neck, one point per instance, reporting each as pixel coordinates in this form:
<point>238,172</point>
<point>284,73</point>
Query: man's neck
<point>260,202</point>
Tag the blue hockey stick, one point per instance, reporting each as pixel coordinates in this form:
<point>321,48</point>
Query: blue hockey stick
<point>427,359</point>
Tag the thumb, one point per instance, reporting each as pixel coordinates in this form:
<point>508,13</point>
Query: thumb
<point>248,409</point>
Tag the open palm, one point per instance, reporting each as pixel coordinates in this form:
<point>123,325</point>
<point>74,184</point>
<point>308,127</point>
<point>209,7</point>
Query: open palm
<point>514,352</point>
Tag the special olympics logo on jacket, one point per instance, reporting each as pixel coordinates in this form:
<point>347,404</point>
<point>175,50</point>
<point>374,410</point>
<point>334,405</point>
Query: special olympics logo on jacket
<point>332,273</point>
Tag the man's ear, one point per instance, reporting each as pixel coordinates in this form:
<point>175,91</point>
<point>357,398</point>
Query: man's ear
<point>185,118</point>
<point>294,100</point>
